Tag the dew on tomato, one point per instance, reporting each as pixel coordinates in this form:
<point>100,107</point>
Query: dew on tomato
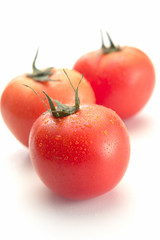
<point>86,152</point>
<point>100,152</point>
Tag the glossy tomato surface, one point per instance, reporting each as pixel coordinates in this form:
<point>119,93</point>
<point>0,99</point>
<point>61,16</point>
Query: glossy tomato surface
<point>20,106</point>
<point>122,80</point>
<point>82,155</point>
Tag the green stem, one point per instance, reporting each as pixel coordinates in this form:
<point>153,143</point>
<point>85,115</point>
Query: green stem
<point>40,75</point>
<point>62,110</point>
<point>111,48</point>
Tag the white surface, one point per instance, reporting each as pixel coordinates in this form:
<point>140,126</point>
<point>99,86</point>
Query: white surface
<point>64,30</point>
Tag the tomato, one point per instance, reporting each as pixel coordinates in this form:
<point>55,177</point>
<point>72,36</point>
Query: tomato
<point>82,155</point>
<point>122,78</point>
<point>20,107</point>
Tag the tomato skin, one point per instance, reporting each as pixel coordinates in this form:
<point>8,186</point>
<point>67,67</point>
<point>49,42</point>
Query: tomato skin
<point>122,80</point>
<point>20,106</point>
<point>82,155</point>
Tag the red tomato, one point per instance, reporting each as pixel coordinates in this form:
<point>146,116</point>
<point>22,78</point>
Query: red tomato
<point>82,155</point>
<point>20,107</point>
<point>123,78</point>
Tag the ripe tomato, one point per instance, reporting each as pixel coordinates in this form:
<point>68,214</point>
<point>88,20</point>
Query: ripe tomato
<point>20,107</point>
<point>122,78</point>
<point>82,155</point>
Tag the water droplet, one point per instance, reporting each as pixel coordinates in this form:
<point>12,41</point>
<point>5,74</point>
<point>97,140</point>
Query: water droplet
<point>105,132</point>
<point>58,137</point>
<point>87,125</point>
<point>46,121</point>
<point>111,121</point>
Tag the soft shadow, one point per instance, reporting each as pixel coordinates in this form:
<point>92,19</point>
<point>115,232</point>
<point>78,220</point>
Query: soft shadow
<point>140,125</point>
<point>117,200</point>
<point>21,158</point>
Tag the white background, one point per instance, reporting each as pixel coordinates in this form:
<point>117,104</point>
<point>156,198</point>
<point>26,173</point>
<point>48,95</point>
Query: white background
<point>64,30</point>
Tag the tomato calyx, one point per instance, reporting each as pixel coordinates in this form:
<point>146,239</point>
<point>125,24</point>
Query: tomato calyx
<point>40,75</point>
<point>111,48</point>
<point>61,110</point>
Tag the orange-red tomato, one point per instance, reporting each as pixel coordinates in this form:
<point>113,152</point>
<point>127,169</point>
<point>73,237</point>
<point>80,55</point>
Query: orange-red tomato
<point>20,106</point>
<point>122,78</point>
<point>82,155</point>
